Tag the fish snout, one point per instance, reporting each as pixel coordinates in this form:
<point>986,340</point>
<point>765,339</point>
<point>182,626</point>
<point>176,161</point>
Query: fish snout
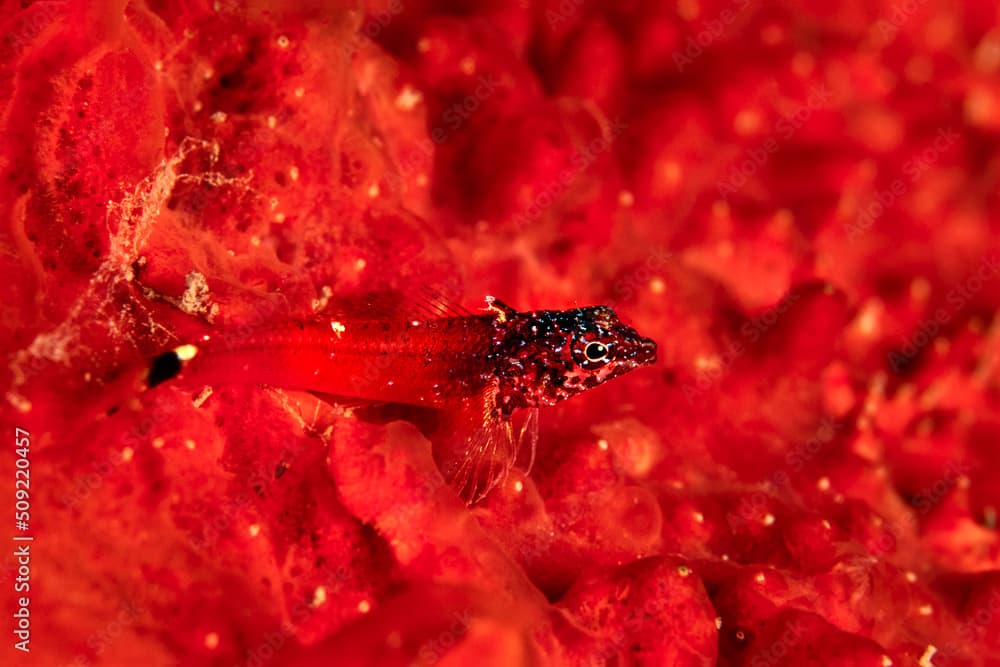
<point>647,351</point>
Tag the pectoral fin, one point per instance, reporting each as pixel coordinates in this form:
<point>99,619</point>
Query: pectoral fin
<point>475,446</point>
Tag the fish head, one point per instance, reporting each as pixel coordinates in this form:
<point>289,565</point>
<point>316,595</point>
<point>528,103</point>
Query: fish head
<point>544,357</point>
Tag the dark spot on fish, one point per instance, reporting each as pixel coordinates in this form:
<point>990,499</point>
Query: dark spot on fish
<point>164,367</point>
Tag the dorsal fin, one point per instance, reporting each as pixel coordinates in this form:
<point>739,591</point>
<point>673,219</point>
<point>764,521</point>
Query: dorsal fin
<point>416,303</point>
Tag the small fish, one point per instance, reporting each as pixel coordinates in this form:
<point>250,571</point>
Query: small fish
<point>476,369</point>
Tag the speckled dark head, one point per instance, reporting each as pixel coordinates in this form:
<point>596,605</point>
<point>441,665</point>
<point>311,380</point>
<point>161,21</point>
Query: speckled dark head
<point>546,356</point>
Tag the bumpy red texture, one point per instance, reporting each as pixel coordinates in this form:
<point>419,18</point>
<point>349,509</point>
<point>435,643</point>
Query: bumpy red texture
<point>798,200</point>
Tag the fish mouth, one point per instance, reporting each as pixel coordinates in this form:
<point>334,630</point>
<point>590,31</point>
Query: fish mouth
<point>647,352</point>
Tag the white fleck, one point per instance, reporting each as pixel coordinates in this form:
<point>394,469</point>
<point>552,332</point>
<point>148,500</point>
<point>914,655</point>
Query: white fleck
<point>338,328</point>
<point>196,299</point>
<point>769,520</point>
<point>408,98</point>
<point>186,352</point>
<point>707,362</point>
<point>925,659</point>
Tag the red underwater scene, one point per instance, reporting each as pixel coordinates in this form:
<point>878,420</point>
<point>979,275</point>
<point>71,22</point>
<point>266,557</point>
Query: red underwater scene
<point>514,332</point>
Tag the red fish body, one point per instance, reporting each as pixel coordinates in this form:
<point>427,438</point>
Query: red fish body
<point>425,363</point>
<point>474,368</point>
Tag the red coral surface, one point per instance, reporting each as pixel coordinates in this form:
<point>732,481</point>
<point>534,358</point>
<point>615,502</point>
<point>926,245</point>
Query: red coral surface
<point>798,200</point>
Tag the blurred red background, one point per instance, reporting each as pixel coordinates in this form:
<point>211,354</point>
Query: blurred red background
<point>796,199</point>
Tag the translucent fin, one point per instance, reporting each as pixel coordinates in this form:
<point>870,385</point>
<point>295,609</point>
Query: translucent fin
<point>439,303</point>
<point>346,402</point>
<point>529,437</point>
<point>476,447</point>
<point>412,303</point>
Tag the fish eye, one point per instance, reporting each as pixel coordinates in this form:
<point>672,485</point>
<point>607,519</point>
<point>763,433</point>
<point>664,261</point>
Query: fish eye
<point>588,350</point>
<point>595,351</point>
